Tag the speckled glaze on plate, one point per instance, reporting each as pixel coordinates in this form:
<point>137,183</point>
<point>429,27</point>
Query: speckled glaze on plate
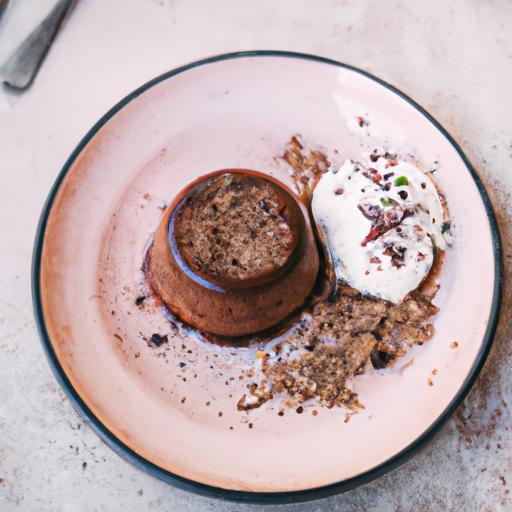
<point>173,412</point>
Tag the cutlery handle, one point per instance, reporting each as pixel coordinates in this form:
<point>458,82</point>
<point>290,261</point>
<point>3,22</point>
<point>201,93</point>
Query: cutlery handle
<point>21,68</point>
<point>3,7</point>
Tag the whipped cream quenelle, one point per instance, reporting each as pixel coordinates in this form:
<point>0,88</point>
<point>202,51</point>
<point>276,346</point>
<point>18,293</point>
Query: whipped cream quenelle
<point>383,222</point>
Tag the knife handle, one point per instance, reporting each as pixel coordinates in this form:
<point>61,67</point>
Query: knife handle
<point>21,68</point>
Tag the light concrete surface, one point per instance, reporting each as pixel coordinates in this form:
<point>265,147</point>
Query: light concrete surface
<point>454,58</point>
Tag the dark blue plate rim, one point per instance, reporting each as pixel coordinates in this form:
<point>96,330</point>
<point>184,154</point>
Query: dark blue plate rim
<point>246,496</point>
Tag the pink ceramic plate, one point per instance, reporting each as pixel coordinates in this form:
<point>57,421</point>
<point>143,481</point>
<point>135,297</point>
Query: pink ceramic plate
<point>172,410</point>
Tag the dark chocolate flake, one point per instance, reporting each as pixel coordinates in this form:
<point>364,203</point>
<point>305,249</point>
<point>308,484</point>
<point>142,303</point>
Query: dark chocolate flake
<point>157,340</point>
<point>140,300</point>
<point>397,254</point>
<point>446,227</point>
<point>379,359</point>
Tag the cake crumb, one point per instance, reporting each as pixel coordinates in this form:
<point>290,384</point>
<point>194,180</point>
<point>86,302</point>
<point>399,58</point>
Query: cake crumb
<point>408,364</point>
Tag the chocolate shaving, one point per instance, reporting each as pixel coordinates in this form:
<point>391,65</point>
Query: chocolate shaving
<point>382,220</point>
<point>397,254</point>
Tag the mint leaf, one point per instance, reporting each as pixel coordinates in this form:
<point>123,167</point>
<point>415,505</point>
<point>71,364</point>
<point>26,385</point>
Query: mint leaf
<point>401,181</point>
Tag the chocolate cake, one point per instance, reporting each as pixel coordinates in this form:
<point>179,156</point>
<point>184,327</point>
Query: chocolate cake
<point>234,254</point>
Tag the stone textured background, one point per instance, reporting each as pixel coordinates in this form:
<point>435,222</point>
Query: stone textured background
<point>454,58</point>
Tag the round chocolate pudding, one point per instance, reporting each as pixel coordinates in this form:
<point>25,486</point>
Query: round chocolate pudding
<point>234,253</point>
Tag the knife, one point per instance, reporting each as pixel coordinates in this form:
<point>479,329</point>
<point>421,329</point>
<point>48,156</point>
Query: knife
<point>3,7</point>
<point>21,68</point>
